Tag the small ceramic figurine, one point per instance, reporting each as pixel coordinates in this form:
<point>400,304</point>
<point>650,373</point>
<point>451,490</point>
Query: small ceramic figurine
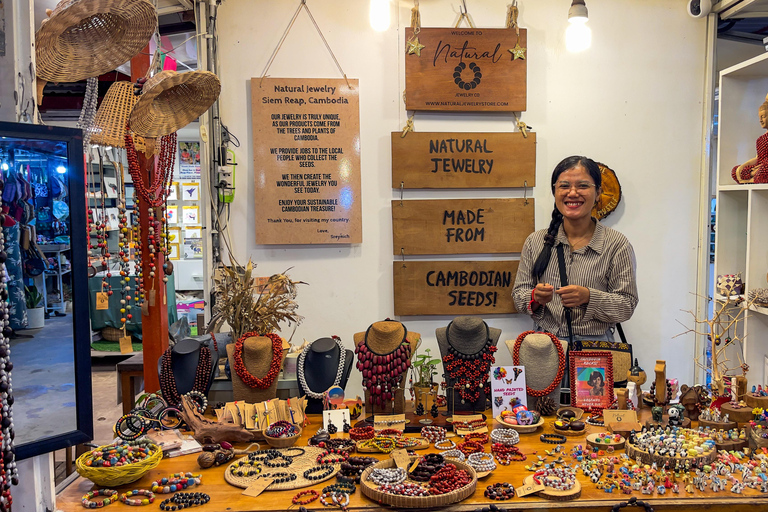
<point>676,415</point>
<point>755,170</point>
<point>657,413</point>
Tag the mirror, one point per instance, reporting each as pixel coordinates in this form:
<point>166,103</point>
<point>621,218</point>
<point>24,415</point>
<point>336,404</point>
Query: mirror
<point>42,168</point>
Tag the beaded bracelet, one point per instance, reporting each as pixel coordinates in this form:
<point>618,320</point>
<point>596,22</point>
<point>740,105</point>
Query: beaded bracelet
<point>389,432</point>
<point>292,449</point>
<point>381,476</point>
<point>324,470</point>
<point>109,494</point>
<point>506,436</point>
<point>170,418</point>
<point>131,427</point>
<point>404,489</point>
<point>198,399</point>
<point>481,462</point>
<point>137,502</point>
<point>499,491</point>
<point>454,454</point>
<point>360,433</point>
<point>448,480</point>
<point>324,459</point>
<point>477,437</point>
<point>445,444</point>
<point>339,499</point>
<point>560,479</point>
<point>235,470</point>
<point>175,482</point>
<point>281,428</point>
<point>182,500</point>
<point>383,444</point>
<point>507,453</point>
<point>270,461</point>
<point>279,477</point>
<point>406,442</point>
<point>553,438</point>
<point>468,447</point>
<point>433,434</point>
<point>341,486</point>
<point>298,500</point>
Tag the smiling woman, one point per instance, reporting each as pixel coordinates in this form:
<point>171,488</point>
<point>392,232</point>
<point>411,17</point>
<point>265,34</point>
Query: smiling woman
<point>599,262</point>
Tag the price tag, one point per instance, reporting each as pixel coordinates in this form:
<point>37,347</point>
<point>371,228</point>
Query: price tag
<point>257,487</point>
<point>401,458</point>
<point>145,308</point>
<point>126,346</point>
<point>151,298</point>
<point>527,489</point>
<point>102,301</point>
<point>286,345</point>
<point>616,416</point>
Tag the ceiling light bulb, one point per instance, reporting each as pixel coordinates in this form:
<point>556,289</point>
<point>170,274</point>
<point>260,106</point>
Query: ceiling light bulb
<point>578,12</point>
<point>379,15</point>
<point>4,166</point>
<point>61,169</point>
<point>578,37</point>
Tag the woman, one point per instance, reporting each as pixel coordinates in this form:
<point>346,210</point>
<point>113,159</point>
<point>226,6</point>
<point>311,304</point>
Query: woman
<point>597,383</point>
<point>599,262</point>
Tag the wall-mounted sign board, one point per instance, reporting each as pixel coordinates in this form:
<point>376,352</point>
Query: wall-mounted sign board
<point>466,70</point>
<point>461,226</point>
<point>463,160</point>
<point>454,287</point>
<point>306,160</point>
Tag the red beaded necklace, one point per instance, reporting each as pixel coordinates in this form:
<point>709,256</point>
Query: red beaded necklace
<point>274,365</point>
<point>469,372</point>
<point>381,372</point>
<point>168,382</point>
<point>560,362</point>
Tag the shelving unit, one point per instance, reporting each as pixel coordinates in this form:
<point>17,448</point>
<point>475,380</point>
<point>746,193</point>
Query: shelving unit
<point>741,237</point>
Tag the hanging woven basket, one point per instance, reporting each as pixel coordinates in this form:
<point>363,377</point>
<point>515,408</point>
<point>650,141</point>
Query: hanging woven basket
<point>86,38</point>
<point>109,123</point>
<point>170,101</point>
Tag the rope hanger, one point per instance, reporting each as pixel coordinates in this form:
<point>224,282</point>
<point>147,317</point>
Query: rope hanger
<point>302,4</point>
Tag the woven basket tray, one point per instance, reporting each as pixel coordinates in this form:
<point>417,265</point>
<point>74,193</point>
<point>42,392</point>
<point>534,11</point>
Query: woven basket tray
<point>111,334</point>
<point>299,465</point>
<point>116,476</point>
<point>427,502</point>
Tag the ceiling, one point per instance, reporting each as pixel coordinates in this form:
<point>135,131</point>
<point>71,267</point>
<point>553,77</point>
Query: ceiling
<point>742,20</point>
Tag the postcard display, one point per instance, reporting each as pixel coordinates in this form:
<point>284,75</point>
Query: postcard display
<point>185,228</point>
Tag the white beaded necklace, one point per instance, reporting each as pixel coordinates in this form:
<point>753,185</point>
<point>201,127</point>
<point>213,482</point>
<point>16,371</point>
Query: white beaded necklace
<point>339,371</point>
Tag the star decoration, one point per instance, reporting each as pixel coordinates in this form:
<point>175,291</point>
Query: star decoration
<point>414,46</point>
<point>518,52</point>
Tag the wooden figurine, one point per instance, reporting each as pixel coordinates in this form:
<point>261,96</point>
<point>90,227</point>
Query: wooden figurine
<point>691,399</point>
<point>621,396</point>
<point>638,376</point>
<point>660,396</point>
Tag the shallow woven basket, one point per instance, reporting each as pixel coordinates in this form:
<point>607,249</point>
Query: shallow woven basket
<point>114,476</point>
<point>282,442</point>
<point>170,101</point>
<point>109,124</point>
<point>111,334</point>
<point>368,488</point>
<point>86,38</point>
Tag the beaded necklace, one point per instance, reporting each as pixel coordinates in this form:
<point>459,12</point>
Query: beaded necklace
<point>274,365</point>
<point>123,249</point>
<point>560,363</point>
<point>168,381</point>
<point>469,372</point>
<point>381,372</point>
<point>8,472</point>
<point>300,368</point>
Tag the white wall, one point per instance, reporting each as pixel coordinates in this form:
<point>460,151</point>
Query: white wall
<point>633,101</point>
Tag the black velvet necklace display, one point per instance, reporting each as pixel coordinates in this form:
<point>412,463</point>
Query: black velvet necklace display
<point>185,357</point>
<point>321,366</point>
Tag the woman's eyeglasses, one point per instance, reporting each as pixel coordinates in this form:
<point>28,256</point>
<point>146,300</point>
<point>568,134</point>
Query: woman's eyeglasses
<point>581,186</point>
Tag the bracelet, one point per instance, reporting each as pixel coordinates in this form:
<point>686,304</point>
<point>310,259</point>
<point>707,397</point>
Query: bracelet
<point>507,453</point>
<point>506,436</point>
<point>109,494</point>
<point>340,499</point>
<point>279,477</point>
<point>298,500</point>
<point>477,437</point>
<point>270,460</point>
<point>560,479</point>
<point>481,462</point>
<point>475,424</point>
<point>454,454</point>
<point>301,451</point>
<point>255,468</point>
<point>433,434</point>
<point>281,428</point>
<point>469,447</point>
<point>324,459</point>
<point>199,400</point>
<point>381,476</point>
<point>324,470</point>
<point>128,500</point>
<point>341,486</point>
<point>407,489</point>
<point>553,438</point>
<point>360,433</point>
<point>499,491</point>
<point>445,444</point>
<point>176,482</point>
<point>182,500</point>
<point>389,432</point>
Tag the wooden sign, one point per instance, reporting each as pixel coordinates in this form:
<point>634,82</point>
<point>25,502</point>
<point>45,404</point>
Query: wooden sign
<point>466,70</point>
<point>306,161</point>
<point>461,226</point>
<point>454,287</point>
<point>463,160</point>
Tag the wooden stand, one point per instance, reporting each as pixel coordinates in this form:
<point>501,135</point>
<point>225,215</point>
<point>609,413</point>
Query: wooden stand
<point>718,425</point>
<point>756,401</point>
<point>621,395</point>
<point>686,423</point>
<point>742,415</point>
<point>661,381</point>
<point>646,458</point>
<point>617,445</point>
<point>729,445</point>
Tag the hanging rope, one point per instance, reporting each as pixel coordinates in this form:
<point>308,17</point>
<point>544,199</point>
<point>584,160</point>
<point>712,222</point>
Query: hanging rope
<point>415,18</point>
<point>408,127</point>
<point>512,14</point>
<point>521,126</point>
<point>464,15</point>
<point>302,4</point>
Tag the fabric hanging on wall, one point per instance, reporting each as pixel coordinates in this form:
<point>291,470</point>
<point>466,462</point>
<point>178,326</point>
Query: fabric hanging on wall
<point>16,300</point>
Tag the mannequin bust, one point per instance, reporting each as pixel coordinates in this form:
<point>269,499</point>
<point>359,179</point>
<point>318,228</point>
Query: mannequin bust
<point>257,356</point>
<point>319,365</point>
<point>383,338</point>
<point>185,356</point>
<point>467,335</point>
<point>539,356</point>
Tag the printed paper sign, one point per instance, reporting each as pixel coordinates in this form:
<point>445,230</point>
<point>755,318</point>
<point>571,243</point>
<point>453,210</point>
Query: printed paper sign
<point>508,388</point>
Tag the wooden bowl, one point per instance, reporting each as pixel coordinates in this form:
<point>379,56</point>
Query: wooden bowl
<point>283,442</point>
<point>522,429</point>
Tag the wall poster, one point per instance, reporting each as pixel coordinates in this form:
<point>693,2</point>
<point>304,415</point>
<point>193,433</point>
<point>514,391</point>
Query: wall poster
<point>306,160</point>
<point>189,160</point>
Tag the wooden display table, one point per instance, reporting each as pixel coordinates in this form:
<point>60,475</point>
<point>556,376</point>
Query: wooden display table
<point>229,498</point>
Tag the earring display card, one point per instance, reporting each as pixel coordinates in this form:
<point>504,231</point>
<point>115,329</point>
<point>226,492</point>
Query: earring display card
<point>337,417</point>
<point>508,388</point>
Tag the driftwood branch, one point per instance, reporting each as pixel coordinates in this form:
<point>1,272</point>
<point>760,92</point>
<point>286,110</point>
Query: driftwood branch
<point>216,432</point>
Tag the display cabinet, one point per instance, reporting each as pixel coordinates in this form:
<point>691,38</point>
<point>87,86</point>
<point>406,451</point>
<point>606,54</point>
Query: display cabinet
<point>741,240</point>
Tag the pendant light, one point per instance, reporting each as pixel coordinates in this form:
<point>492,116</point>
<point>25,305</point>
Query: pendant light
<point>379,15</point>
<point>578,36</point>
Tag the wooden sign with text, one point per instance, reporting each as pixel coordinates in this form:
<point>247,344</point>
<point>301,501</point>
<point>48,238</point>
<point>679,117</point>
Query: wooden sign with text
<point>461,226</point>
<point>466,70</point>
<point>306,160</point>
<point>463,160</point>
<point>454,287</point>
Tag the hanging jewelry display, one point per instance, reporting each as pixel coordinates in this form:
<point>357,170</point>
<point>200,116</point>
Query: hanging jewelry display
<point>339,371</point>
<point>123,250</point>
<point>101,232</point>
<point>274,365</point>
<point>560,362</point>
<point>381,372</point>
<point>168,382</point>
<point>469,372</point>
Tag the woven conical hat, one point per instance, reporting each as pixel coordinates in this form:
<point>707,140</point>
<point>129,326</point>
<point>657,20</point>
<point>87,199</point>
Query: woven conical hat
<point>109,123</point>
<point>170,101</point>
<point>86,38</point>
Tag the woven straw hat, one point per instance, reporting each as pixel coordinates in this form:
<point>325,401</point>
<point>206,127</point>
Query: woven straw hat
<point>109,124</point>
<point>170,101</point>
<point>86,38</point>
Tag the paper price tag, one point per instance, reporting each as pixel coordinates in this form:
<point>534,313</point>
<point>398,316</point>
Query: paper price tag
<point>286,345</point>
<point>401,458</point>
<point>126,347</point>
<point>527,489</point>
<point>616,416</point>
<point>102,301</point>
<point>151,298</point>
<point>257,487</point>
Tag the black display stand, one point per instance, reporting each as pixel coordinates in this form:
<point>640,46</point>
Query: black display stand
<point>184,358</point>
<point>320,368</point>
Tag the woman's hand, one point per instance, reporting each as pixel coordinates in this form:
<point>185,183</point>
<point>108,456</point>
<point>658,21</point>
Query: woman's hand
<point>543,293</point>
<point>573,295</point>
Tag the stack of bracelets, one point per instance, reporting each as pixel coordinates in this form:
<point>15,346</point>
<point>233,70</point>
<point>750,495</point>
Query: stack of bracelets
<point>390,432</point>
<point>175,482</point>
<point>353,467</point>
<point>481,462</point>
<point>477,437</point>
<point>469,447</point>
<point>470,425</point>
<point>505,454</point>
<point>282,428</point>
<point>339,499</point>
<point>404,489</point>
<point>433,434</point>
<point>448,480</point>
<point>327,456</point>
<point>382,443</point>
<point>245,467</point>
<point>454,454</point>
<point>182,500</point>
<point>361,433</point>
<point>128,497</point>
<point>119,454</point>
<point>506,436</point>
<point>427,466</point>
<point>382,476</point>
<point>109,494</point>
<point>499,491</point>
<point>560,479</point>
<point>320,472</point>
<point>406,442</point>
<point>312,496</point>
<point>341,486</point>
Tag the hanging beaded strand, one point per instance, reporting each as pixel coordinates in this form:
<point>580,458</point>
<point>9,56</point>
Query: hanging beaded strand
<point>123,249</point>
<point>101,233</point>
<point>382,372</point>
<point>168,381</point>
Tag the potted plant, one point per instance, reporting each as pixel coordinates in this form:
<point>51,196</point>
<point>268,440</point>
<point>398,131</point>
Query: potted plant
<point>424,367</point>
<point>35,309</point>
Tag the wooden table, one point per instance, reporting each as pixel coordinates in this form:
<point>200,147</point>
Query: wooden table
<point>229,498</point>
<point>129,371</point>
